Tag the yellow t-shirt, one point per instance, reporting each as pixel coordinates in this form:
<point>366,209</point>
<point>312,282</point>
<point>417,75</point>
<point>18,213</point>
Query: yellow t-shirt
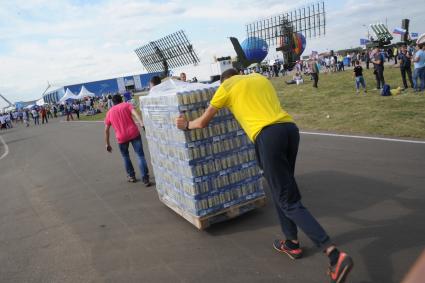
<point>253,101</point>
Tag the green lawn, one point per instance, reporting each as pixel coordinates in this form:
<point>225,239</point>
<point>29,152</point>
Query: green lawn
<point>396,116</point>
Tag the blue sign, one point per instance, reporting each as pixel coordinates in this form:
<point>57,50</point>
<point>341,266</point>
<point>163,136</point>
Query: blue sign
<point>364,41</point>
<point>414,34</point>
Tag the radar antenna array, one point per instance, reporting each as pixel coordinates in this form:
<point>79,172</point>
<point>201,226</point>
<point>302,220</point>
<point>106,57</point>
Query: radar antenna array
<point>278,30</point>
<point>171,51</point>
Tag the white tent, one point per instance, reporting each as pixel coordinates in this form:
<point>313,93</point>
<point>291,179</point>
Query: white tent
<point>40,102</point>
<point>84,93</point>
<point>68,95</point>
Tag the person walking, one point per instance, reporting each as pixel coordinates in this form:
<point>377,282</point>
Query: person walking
<point>378,64</point>
<point>419,72</point>
<point>405,58</point>
<point>253,101</point>
<point>121,117</point>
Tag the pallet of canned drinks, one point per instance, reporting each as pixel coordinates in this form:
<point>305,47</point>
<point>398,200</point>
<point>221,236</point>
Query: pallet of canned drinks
<point>205,175</point>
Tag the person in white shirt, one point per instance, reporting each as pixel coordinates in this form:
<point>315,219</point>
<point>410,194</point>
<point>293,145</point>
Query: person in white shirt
<point>35,116</point>
<point>2,122</point>
<point>26,118</point>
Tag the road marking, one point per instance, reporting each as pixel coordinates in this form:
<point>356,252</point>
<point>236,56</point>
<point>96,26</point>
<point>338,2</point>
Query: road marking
<point>61,121</point>
<point>6,148</point>
<point>362,137</point>
<point>314,133</point>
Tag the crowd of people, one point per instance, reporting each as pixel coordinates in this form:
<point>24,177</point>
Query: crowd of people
<point>403,57</point>
<point>25,116</point>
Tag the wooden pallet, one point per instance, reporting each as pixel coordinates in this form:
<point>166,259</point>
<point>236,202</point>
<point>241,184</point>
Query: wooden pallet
<point>203,222</point>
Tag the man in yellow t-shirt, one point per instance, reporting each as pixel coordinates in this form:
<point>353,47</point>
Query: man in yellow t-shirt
<point>253,101</point>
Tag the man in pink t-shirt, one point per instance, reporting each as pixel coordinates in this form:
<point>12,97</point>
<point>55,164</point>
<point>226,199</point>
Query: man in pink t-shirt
<point>121,117</point>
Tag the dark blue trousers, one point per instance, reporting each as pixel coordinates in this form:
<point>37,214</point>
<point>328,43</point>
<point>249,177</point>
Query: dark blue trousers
<point>276,148</point>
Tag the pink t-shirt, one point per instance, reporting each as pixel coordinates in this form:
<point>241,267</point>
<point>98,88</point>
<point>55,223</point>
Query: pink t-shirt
<point>119,116</point>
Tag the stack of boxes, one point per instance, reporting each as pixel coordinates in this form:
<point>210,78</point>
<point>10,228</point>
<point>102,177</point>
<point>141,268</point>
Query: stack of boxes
<point>201,171</point>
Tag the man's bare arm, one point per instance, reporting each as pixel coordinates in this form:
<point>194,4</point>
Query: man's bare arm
<point>137,117</point>
<point>108,144</point>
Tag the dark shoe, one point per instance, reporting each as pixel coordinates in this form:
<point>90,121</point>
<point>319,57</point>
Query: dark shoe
<point>338,273</point>
<point>280,246</point>
<point>146,181</point>
<point>131,179</point>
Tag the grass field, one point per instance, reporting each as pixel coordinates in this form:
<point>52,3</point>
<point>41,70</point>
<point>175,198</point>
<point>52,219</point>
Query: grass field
<point>372,114</point>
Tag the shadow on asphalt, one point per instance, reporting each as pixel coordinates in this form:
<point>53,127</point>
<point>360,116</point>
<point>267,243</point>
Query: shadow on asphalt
<point>373,205</point>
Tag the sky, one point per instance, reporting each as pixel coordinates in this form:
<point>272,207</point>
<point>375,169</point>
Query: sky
<point>72,41</point>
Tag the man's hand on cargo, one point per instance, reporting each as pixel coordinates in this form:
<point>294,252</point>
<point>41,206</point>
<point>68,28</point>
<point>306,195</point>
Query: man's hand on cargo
<point>182,123</point>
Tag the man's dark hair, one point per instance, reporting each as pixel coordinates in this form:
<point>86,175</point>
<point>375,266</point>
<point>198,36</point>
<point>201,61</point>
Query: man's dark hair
<point>116,99</point>
<point>155,80</point>
<point>228,74</point>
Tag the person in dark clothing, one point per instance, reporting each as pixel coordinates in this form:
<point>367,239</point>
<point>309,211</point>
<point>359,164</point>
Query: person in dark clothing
<point>405,58</point>
<point>367,59</point>
<point>358,75</point>
<point>378,64</point>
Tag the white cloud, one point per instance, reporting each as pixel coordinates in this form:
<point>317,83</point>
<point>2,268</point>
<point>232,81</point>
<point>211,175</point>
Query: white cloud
<point>64,43</point>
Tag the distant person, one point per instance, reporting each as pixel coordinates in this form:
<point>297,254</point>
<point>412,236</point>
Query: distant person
<point>8,121</point>
<point>333,63</point>
<point>25,116</point>
<point>88,103</point>
<point>253,101</point>
<point>314,72</point>
<point>296,79</point>
<point>2,122</point>
<point>155,80</point>
<point>49,112</point>
<point>76,108</point>
<point>183,77</point>
<point>358,75</point>
<point>110,104</point>
<point>378,64</point>
<point>367,55</point>
<point>405,58</point>
<point>419,72</point>
<point>68,112</point>
<point>35,116</point>
<point>55,111</point>
<point>395,54</point>
<point>121,117</point>
<point>43,113</point>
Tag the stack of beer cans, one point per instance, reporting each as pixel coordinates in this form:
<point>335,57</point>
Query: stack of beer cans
<point>201,171</point>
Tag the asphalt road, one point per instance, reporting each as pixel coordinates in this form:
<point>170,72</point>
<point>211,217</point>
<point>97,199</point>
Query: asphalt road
<point>67,214</point>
